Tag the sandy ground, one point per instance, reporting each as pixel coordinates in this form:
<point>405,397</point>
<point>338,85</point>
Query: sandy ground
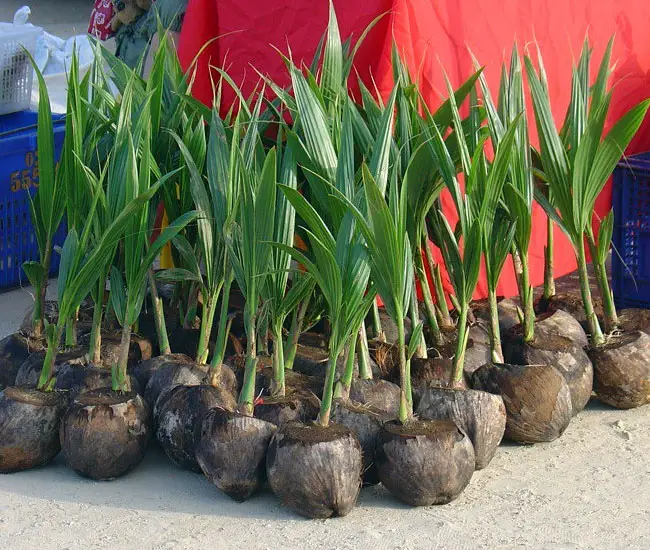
<point>589,489</point>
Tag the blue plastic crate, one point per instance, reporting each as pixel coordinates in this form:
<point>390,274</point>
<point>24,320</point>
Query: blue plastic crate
<point>631,257</point>
<point>18,179</point>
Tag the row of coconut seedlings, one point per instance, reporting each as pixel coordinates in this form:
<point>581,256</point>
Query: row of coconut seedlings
<point>364,181</point>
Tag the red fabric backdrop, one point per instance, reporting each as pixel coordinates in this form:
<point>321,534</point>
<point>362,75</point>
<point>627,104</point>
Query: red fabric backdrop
<point>432,34</point>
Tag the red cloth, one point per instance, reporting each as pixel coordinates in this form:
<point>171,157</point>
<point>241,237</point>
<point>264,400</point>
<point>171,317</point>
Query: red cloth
<point>432,34</point>
<point>100,20</point>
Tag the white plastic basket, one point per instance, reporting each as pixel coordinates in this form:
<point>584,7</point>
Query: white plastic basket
<point>16,72</point>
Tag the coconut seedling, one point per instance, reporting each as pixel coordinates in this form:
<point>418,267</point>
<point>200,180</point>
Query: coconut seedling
<point>166,95</point>
<point>30,418</point>
<point>233,444</point>
<point>576,175</point>
<point>422,175</point>
<point>47,209</point>
<point>85,165</point>
<point>193,273</point>
<point>511,232</point>
<point>544,340</point>
<point>329,87</point>
<point>325,147</point>
<point>286,401</point>
<point>326,139</point>
<point>425,184</point>
<point>336,259</point>
<point>480,414</point>
<point>90,132</point>
<point>438,461</point>
<point>315,468</point>
<point>463,248</point>
<point>215,197</point>
<point>103,445</point>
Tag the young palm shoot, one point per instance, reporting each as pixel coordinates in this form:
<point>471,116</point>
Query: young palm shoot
<point>303,318</point>
<point>517,198</point>
<point>279,300</point>
<point>389,251</point>
<point>324,94</point>
<point>341,270</point>
<point>576,176</point>
<point>476,208</point>
<point>37,413</point>
<point>215,199</point>
<point>326,153</point>
<point>47,207</point>
<point>89,126</point>
<point>421,174</point>
<point>128,291</point>
<point>432,459</point>
<point>480,414</point>
<point>248,241</point>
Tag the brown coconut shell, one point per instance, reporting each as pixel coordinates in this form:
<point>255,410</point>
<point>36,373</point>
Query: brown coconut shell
<point>14,351</point>
<point>313,339</point>
<point>140,349</point>
<point>507,308</point>
<point>561,323</point>
<point>479,351</point>
<point>104,434</point>
<point>30,370</point>
<point>179,420</point>
<point>572,303</point>
<point>312,361</point>
<point>537,399</point>
<point>186,341</point>
<point>436,370</point>
<point>365,423</point>
<point>630,320</point>
<point>315,470</point>
<point>231,451</point>
<point>433,371</point>
<point>29,427</point>
<point>169,375</point>
<point>144,370</point>
<point>481,415</point>
<point>569,359</point>
<point>622,370</point>
<point>379,394</point>
<point>75,380</point>
<point>424,462</point>
<point>295,407</point>
<point>295,382</point>
<point>389,327</point>
<point>50,313</point>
